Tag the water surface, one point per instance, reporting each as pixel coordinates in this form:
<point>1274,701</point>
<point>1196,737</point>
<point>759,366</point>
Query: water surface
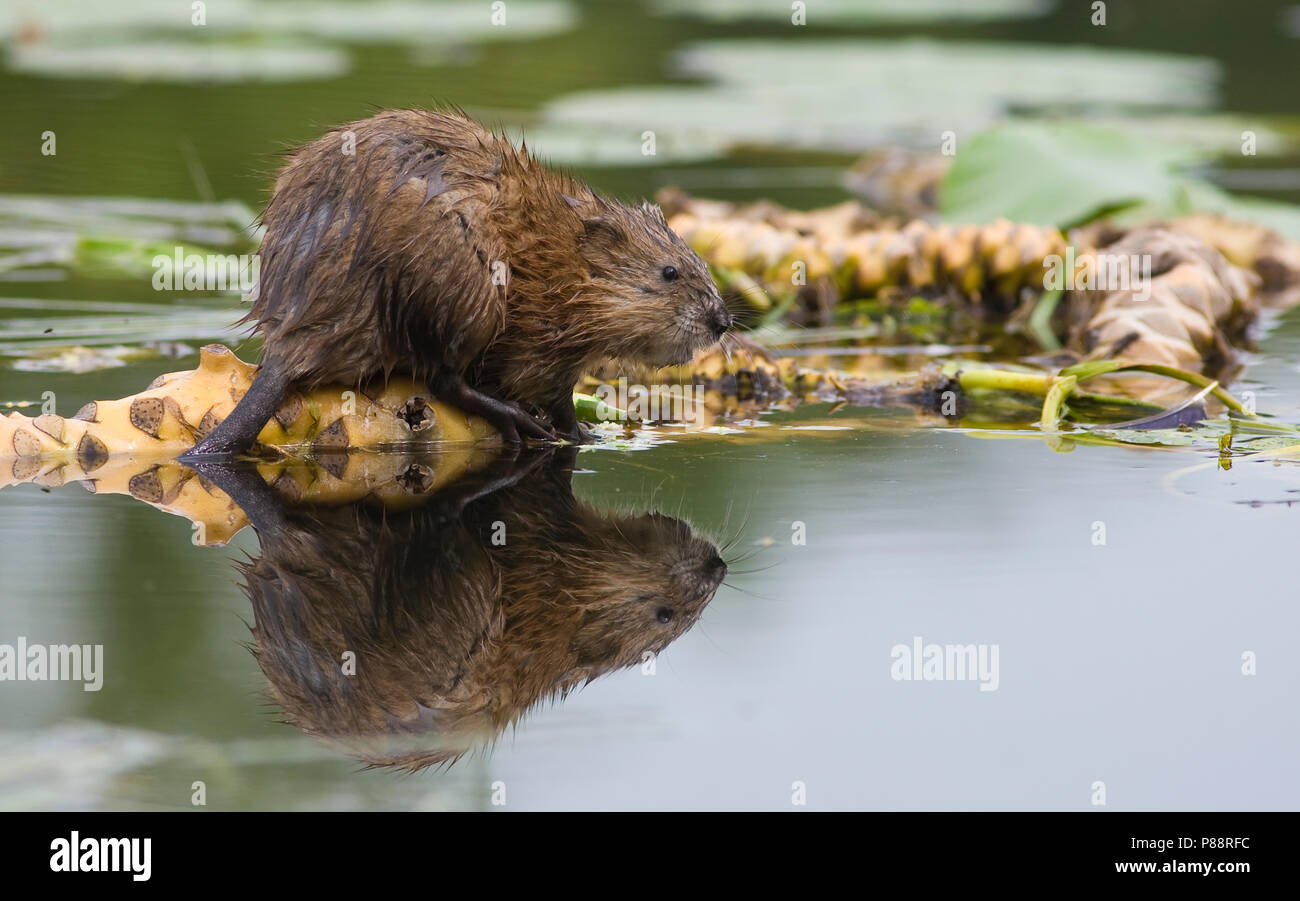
<point>1119,663</point>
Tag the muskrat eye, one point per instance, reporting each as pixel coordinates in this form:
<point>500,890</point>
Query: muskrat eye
<point>670,273</point>
<point>664,615</point>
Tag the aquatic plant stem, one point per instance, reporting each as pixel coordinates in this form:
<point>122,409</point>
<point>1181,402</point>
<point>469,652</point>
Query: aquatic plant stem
<point>1054,407</point>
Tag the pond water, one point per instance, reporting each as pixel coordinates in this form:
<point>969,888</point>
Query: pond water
<point>1116,594</point>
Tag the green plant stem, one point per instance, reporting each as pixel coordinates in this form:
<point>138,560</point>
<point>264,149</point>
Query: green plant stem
<point>1093,368</point>
<point>592,409</point>
<point>1004,380</point>
<point>1040,320</point>
<point>1054,407</point>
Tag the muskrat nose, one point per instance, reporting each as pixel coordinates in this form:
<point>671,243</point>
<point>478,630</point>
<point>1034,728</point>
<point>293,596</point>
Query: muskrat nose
<point>716,566</point>
<point>719,321</point>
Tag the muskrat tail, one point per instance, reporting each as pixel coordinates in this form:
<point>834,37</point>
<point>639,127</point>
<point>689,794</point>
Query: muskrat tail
<point>236,433</point>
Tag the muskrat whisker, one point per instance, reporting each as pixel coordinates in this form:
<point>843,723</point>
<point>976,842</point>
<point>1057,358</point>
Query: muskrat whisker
<point>747,555</point>
<point>711,246</point>
<point>750,572</point>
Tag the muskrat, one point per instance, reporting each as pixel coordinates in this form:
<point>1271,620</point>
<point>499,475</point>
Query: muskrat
<point>462,614</point>
<point>440,250</point>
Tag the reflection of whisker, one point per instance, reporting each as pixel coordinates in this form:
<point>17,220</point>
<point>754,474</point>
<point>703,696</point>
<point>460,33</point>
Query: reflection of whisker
<point>726,514</point>
<point>699,624</point>
<point>734,539</point>
<point>720,536</point>
<point>761,597</point>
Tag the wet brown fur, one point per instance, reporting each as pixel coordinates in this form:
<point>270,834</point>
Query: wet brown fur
<point>383,261</point>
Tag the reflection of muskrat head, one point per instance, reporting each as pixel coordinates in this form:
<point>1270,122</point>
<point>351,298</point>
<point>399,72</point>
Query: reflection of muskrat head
<point>615,589</point>
<point>408,638</point>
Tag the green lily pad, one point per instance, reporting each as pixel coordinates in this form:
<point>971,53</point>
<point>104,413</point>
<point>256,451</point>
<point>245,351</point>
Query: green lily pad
<point>1061,173</point>
<point>374,21</point>
<point>1282,217</point>
<point>1068,172</point>
<point>845,12</point>
<point>241,40</point>
<point>167,59</point>
<point>410,22</point>
<point>104,237</point>
<point>869,92</point>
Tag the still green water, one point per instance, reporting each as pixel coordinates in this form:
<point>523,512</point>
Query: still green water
<point>1118,663</point>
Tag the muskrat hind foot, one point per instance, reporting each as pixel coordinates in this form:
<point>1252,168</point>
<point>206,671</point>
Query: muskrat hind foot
<point>237,433</point>
<point>510,419</point>
<point>213,451</point>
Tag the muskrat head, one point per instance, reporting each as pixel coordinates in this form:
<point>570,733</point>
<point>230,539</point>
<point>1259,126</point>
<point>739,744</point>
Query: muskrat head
<point>661,302</point>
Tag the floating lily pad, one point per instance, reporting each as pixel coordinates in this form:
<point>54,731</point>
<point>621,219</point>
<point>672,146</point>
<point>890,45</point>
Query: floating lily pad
<point>52,338</point>
<point>407,22</point>
<point>1218,133</point>
<point>156,40</point>
<point>386,21</point>
<point>867,92</point>
<point>30,22</point>
<point>1282,217</point>
<point>113,237</point>
<point>78,759</point>
<point>846,12</point>
<point>1058,174</point>
<point>1066,173</point>
<point>165,59</point>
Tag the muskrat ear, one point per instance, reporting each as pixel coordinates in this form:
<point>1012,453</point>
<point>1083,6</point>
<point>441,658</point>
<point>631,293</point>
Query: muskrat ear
<point>601,231</point>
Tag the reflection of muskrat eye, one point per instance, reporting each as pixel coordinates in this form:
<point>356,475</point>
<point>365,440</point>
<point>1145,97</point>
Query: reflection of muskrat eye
<point>670,273</point>
<point>664,614</point>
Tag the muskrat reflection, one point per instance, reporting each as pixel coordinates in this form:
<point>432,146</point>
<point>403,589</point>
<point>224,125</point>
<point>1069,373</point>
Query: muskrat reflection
<point>465,613</point>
